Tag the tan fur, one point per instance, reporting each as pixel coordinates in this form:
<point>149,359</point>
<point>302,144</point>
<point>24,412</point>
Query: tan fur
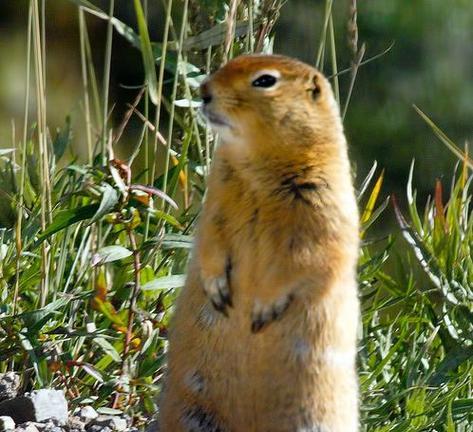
<point>276,249</point>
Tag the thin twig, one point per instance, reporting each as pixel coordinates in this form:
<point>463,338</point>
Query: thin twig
<point>127,116</point>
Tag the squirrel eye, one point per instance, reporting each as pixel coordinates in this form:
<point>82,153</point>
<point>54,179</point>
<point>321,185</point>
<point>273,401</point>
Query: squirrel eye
<point>264,81</point>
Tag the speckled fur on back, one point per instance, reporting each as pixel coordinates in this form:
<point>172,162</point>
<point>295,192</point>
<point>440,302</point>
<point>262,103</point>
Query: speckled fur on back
<point>263,337</point>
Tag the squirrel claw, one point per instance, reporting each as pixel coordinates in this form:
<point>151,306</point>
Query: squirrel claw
<point>218,291</point>
<point>263,315</point>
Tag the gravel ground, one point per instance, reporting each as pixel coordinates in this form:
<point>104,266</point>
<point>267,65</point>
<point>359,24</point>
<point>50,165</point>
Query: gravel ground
<point>46,410</point>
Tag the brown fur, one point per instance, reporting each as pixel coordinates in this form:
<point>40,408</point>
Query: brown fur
<point>264,333</point>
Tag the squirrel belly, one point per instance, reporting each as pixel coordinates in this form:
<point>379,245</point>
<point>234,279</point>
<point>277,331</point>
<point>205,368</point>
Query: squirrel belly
<point>263,336</point>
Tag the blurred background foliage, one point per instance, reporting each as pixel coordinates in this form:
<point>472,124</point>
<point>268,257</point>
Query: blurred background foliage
<point>430,65</point>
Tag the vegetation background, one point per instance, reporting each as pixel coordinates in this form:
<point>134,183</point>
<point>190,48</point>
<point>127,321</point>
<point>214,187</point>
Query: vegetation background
<point>92,250</point>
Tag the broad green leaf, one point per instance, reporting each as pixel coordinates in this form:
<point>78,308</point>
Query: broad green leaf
<point>176,241</point>
<point>66,218</point>
<point>108,202</point>
<point>109,254</point>
<point>165,216</point>
<point>92,371</point>
<point>35,320</point>
<point>108,348</point>
<point>109,411</point>
<point>108,311</point>
<point>165,283</point>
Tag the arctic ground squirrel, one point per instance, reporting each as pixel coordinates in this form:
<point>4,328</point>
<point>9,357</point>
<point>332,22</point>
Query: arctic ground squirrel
<point>263,337</point>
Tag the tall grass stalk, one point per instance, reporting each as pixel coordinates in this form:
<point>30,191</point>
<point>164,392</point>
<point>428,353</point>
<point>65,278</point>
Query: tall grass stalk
<point>151,164</point>
<point>333,52</point>
<point>85,85</point>
<point>230,34</point>
<point>20,207</point>
<point>319,62</point>
<point>46,208</point>
<point>106,81</point>
<point>172,109</point>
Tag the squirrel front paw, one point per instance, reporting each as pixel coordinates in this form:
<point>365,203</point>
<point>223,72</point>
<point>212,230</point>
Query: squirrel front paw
<point>218,291</point>
<point>218,288</point>
<point>264,314</point>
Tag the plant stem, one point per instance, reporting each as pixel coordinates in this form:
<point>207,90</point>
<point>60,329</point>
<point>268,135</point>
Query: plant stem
<point>85,84</point>
<point>132,306</point>
<point>43,149</point>
<point>106,80</point>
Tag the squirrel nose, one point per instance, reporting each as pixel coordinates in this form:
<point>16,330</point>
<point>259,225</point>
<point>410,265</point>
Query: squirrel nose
<point>205,93</point>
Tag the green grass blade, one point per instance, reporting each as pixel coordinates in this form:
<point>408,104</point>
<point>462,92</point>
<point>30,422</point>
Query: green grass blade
<point>147,53</point>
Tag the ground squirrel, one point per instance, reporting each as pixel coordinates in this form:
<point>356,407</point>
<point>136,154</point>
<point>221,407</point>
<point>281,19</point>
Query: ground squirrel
<point>263,337</point>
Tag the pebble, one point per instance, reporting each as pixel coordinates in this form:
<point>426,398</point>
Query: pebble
<point>27,427</point>
<point>111,422</point>
<point>87,414</point>
<point>9,385</point>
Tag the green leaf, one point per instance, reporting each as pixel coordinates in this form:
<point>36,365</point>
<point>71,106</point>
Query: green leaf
<point>27,345</point>
<point>165,283</point>
<point>450,426</point>
<point>62,139</point>
<point>109,254</point>
<point>92,371</point>
<point>108,348</point>
<point>6,151</point>
<point>453,359</point>
<point>108,311</point>
<point>109,411</point>
<point>165,216</point>
<point>66,218</point>
<point>176,241</point>
<point>147,53</point>
<point>108,202</point>
<point>215,36</point>
<point>34,320</point>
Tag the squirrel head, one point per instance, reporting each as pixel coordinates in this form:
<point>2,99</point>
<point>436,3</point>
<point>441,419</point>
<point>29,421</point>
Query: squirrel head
<point>270,101</point>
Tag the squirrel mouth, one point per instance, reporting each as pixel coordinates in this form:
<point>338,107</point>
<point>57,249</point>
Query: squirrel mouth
<point>215,119</point>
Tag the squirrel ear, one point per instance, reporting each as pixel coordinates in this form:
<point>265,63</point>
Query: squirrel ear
<point>315,87</point>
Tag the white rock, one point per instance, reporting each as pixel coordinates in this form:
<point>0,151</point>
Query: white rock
<point>87,414</point>
<point>6,423</point>
<point>27,427</point>
<point>37,406</point>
